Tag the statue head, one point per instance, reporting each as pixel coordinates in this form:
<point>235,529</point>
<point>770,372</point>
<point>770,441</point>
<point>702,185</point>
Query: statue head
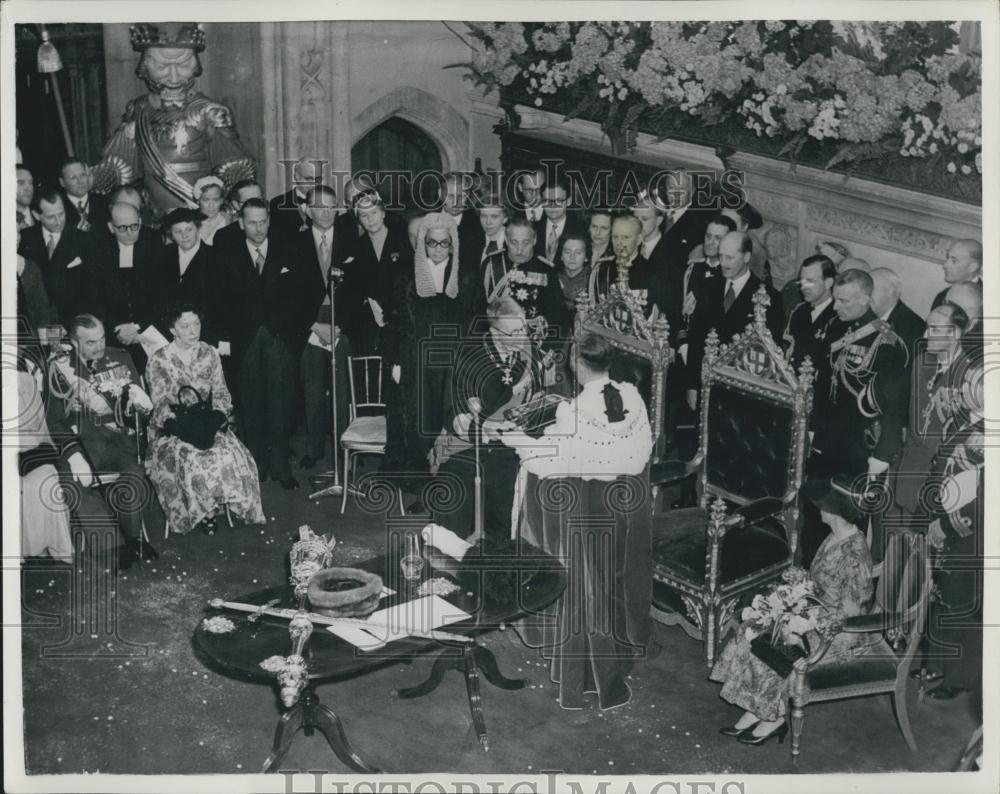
<point>169,64</point>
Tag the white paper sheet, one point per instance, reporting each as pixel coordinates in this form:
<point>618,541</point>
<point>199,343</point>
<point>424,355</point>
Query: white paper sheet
<point>152,340</point>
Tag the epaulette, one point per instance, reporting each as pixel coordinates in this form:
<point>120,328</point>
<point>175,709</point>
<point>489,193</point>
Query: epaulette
<point>887,334</point>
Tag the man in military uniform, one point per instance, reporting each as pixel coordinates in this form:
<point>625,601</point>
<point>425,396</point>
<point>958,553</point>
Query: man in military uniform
<point>866,408</point>
<point>807,333</point>
<point>100,383</point>
<point>530,279</point>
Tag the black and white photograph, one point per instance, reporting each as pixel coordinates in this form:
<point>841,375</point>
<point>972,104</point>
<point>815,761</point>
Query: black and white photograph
<point>542,397</point>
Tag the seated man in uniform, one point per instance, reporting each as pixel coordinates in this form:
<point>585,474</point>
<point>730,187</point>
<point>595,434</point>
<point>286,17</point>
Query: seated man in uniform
<point>101,385</point>
<point>494,372</point>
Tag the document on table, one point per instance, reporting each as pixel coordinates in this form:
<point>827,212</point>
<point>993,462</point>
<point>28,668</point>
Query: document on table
<point>418,616</point>
<point>314,339</point>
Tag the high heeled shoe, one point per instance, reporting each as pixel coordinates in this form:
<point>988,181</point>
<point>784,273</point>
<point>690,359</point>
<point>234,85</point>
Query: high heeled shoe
<point>732,730</point>
<point>747,737</point>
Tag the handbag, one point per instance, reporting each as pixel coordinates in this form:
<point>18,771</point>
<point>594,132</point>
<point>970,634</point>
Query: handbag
<point>781,658</point>
<point>195,423</point>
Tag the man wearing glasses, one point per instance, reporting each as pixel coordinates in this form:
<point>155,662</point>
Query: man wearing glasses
<point>127,260</point>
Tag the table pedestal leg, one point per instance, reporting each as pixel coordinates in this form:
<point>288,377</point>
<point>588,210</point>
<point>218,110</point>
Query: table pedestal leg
<point>309,715</point>
<point>470,660</point>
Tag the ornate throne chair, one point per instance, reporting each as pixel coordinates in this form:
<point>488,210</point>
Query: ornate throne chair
<point>754,411</point>
<point>643,352</point>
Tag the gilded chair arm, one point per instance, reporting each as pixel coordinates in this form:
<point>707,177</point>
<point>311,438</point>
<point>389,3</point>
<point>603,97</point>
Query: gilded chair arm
<point>755,511</point>
<point>814,658</point>
<point>666,472</point>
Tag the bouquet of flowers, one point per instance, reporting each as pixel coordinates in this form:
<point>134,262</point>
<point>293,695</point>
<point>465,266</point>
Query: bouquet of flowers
<point>788,611</point>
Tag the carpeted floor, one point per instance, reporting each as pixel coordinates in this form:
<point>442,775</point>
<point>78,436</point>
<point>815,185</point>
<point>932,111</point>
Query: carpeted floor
<point>125,693</point>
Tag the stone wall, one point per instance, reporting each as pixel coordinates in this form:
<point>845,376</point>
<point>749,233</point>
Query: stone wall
<point>315,88</point>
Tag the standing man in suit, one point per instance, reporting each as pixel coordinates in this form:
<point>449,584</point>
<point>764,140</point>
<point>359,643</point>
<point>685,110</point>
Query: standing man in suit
<point>550,233</point>
<point>289,211</point>
<point>318,252</point>
<point>128,260</point>
<point>809,329</point>
<point>65,256</point>
<point>529,187</point>
<point>270,311</point>
<point>688,210</point>
<point>887,306</point>
<point>493,221</point>
<point>85,210</point>
<point>232,236</point>
<point>963,263</point>
<point>25,194</point>
<point>727,308</point>
<point>456,204</point>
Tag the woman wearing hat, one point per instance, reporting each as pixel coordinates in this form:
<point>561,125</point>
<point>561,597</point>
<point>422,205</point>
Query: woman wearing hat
<point>210,193</point>
<point>842,573</point>
<point>187,272</point>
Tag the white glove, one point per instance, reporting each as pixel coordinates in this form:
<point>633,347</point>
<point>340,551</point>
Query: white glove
<point>138,397</point>
<point>397,373</point>
<point>445,540</point>
<point>81,469</point>
<point>876,467</point>
<point>683,351</point>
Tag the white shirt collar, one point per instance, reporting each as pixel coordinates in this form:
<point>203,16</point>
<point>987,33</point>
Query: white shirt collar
<point>78,200</point>
<point>648,245</point>
<point>739,283</point>
<point>437,272</point>
<point>318,235</point>
<point>819,308</point>
<point>558,225</point>
<point>125,253</point>
<point>50,235</point>
<point>254,248</point>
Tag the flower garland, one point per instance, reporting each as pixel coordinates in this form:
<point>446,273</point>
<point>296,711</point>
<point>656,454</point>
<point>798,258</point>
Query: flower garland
<point>875,88</point>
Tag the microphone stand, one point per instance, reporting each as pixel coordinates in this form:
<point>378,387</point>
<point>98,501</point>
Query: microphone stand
<point>333,477</point>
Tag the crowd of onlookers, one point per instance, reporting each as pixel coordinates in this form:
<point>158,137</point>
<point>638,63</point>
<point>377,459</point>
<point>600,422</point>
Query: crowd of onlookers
<point>238,310</point>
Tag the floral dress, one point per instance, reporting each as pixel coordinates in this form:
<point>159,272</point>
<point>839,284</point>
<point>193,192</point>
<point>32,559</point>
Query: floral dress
<point>195,484</point>
<point>842,572</point>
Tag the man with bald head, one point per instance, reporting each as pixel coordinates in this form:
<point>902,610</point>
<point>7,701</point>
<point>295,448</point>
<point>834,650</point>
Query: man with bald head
<point>727,306</point>
<point>886,304</point>
<point>968,295</point>
<point>127,262</point>
<point>289,213</point>
<point>964,263</point>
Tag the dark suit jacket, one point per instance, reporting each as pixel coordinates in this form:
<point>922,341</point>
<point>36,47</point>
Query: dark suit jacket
<point>277,299</point>
<point>71,290</point>
<point>129,295</point>
<point>286,220</point>
<point>308,257</point>
<point>200,284</point>
<point>98,213</point>
<point>709,314</point>
<point>32,299</point>
<point>573,224</point>
<point>907,325</point>
<point>367,276</point>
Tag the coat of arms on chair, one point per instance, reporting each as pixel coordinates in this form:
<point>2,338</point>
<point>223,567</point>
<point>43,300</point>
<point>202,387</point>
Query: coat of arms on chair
<point>754,414</point>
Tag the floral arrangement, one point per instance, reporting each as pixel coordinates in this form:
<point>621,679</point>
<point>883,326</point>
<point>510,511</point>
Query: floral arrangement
<point>873,88</point>
<point>788,611</point>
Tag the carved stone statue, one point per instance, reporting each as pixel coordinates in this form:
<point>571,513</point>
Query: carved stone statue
<point>173,135</point>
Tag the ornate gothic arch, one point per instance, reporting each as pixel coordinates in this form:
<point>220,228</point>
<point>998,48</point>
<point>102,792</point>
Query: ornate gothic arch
<point>445,125</point>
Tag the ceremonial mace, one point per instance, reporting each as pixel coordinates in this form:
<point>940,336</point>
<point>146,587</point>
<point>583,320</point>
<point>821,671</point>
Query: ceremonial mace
<point>49,63</point>
<point>333,477</point>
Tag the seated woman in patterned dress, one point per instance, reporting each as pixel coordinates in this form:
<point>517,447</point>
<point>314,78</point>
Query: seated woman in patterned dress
<point>194,485</point>
<point>842,573</point>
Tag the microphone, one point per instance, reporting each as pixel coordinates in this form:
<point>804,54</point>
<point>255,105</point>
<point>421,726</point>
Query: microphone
<point>336,273</point>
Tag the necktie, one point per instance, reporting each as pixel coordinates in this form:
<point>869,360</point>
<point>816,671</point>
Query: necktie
<point>492,247</point>
<point>84,224</point>
<point>260,261</point>
<point>729,298</point>
<point>552,244</point>
<point>51,245</point>
<point>324,251</point>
